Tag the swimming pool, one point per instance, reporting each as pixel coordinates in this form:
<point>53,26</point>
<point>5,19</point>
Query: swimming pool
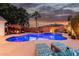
<point>42,36</point>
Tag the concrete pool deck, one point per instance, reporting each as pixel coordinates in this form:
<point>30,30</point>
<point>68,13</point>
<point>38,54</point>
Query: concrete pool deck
<point>28,48</point>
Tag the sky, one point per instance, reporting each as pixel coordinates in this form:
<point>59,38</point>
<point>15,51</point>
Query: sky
<point>47,6</point>
<point>51,10</point>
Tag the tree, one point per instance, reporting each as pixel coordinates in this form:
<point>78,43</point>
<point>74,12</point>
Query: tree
<point>69,24</point>
<point>36,15</point>
<point>14,15</point>
<point>75,25</point>
<point>8,11</point>
<point>69,18</point>
<point>23,17</point>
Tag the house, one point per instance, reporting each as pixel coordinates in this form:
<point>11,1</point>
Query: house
<point>2,26</point>
<point>53,28</point>
<point>45,26</point>
<point>40,22</point>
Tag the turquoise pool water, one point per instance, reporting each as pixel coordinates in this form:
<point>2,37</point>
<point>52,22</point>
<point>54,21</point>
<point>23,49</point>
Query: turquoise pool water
<point>29,37</point>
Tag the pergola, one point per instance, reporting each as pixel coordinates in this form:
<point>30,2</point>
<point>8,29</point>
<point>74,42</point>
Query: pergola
<point>14,28</point>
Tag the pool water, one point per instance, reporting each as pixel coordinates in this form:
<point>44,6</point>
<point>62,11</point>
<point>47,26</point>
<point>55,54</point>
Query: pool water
<point>29,37</point>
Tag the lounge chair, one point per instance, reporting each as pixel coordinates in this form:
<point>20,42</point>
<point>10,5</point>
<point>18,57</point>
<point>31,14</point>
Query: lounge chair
<point>64,50</point>
<point>60,46</point>
<point>70,52</point>
<point>77,51</point>
<point>43,50</point>
<point>59,54</point>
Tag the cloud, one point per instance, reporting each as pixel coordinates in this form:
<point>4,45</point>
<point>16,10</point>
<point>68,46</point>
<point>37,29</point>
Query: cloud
<point>60,15</point>
<point>48,6</point>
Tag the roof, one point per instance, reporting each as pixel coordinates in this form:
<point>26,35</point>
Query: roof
<point>15,26</point>
<point>2,20</point>
<point>55,25</point>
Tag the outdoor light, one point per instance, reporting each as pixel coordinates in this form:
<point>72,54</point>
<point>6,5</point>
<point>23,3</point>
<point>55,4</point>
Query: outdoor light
<point>17,31</point>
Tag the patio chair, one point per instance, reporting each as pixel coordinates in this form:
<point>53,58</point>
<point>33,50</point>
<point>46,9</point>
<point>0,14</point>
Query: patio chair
<point>60,46</point>
<point>43,50</point>
<point>59,54</point>
<point>77,51</point>
<point>65,50</point>
<point>70,52</point>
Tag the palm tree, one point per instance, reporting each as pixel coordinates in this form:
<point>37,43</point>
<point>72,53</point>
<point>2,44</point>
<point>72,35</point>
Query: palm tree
<point>69,24</point>
<point>36,15</point>
<point>69,17</point>
<point>75,25</point>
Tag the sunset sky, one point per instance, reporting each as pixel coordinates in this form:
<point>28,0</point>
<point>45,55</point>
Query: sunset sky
<point>51,11</point>
<point>52,6</point>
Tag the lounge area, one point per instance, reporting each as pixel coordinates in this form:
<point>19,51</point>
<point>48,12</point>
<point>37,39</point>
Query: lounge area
<point>29,48</point>
<point>57,49</point>
<point>38,34</point>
